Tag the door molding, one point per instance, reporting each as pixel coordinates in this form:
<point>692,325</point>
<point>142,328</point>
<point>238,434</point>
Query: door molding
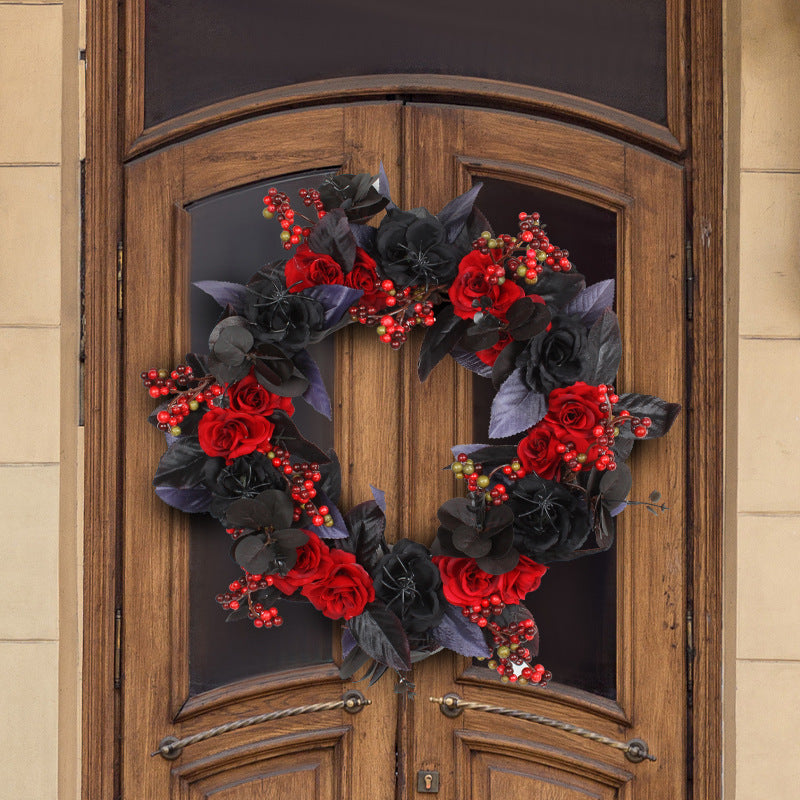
<point>108,144</point>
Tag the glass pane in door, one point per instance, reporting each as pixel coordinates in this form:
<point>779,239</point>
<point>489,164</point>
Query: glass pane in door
<point>575,607</point>
<point>230,241</point>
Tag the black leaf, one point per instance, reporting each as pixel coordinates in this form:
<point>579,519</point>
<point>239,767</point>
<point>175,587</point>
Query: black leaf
<point>661,413</point>
<point>380,634</point>
<point>191,500</point>
<point>440,339</point>
<point>557,288</point>
<point>604,339</point>
<point>332,235</point>
<point>526,318</point>
<point>482,334</point>
<point>352,663</point>
<point>182,464</point>
<point>456,213</point>
<point>286,433</point>
<point>254,554</point>
<point>367,523</point>
<point>615,486</point>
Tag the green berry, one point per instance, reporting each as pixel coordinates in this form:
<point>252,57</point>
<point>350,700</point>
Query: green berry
<point>285,236</point>
<point>483,481</point>
<point>175,430</point>
<point>267,214</point>
<point>194,405</point>
<point>457,466</point>
<point>503,651</point>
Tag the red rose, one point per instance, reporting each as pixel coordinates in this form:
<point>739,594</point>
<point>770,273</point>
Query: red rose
<point>464,582</point>
<point>230,434</point>
<point>250,396</point>
<point>524,578</point>
<point>472,283</point>
<point>342,588</point>
<point>537,451</point>
<point>576,409</point>
<point>313,559</point>
<point>363,276</point>
<point>308,269</point>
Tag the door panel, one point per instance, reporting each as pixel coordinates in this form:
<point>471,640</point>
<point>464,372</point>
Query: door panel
<point>645,193</point>
<point>391,432</point>
<point>157,697</point>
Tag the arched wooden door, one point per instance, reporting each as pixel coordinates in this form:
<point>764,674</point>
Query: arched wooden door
<point>391,432</point>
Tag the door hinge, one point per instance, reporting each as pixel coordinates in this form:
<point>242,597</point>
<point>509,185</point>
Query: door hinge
<point>117,648</point>
<point>120,287</point>
<point>690,654</point>
<point>689,280</point>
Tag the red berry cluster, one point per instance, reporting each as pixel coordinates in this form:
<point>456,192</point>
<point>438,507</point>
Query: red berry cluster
<point>190,393</point>
<point>410,308</point>
<point>302,478</point>
<point>479,613</point>
<point>278,203</point>
<point>240,591</point>
<point>600,450</point>
<point>465,468</point>
<point>510,651</point>
<point>525,255</point>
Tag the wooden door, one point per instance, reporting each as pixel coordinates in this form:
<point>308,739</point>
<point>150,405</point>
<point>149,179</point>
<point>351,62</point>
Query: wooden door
<point>391,432</point>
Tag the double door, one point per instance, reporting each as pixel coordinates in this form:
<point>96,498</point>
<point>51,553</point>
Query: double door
<point>613,626</point>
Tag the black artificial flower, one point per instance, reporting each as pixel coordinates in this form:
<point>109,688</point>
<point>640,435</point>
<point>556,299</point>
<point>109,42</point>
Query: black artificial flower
<point>413,250</point>
<point>247,477</point>
<point>551,522</point>
<point>472,530</point>
<point>290,320</point>
<point>356,195</point>
<point>411,586</point>
<point>559,356</point>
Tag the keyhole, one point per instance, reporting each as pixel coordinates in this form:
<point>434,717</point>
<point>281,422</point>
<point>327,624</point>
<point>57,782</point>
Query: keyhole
<point>428,781</point>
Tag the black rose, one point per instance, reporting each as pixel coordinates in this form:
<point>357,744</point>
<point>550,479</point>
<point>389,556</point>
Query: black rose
<point>283,318</point>
<point>551,522</point>
<point>413,250</point>
<point>469,529</point>
<point>559,356</point>
<point>411,586</point>
<point>356,195</point>
<point>247,476</point>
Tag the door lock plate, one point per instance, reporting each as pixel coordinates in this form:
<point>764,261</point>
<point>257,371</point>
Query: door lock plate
<point>428,781</point>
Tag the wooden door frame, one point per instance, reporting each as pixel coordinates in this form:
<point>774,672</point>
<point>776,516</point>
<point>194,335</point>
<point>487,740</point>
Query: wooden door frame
<point>105,419</point>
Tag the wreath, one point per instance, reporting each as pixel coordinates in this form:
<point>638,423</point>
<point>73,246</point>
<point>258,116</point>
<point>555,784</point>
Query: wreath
<point>511,308</point>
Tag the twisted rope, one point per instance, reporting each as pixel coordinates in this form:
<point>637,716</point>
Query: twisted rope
<point>171,747</point>
<point>635,750</point>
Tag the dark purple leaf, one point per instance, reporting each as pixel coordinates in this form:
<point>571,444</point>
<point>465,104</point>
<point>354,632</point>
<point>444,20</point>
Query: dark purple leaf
<point>515,407</point>
<point>471,362</point>
<point>482,334</point>
<point>590,303</point>
<point>335,299</point>
<point>182,464</point>
<point>352,663</point>
<point>192,500</point>
<point>383,186</point>
<point>440,339</point>
<point>364,235</point>
<point>316,395</point>
<point>367,524</point>
<point>615,487</point>
<point>225,293</point>
<point>662,413</point>
<point>380,497</point>
<point>557,288</point>
<point>604,338</point>
<point>455,214</point>
<point>457,633</point>
<point>348,642</point>
<point>526,319</point>
<point>457,449</point>
<point>380,634</point>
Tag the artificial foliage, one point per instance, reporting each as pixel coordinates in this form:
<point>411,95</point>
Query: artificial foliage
<point>512,308</point>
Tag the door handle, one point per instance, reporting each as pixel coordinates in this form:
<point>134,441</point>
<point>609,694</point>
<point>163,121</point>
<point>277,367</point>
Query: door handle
<point>636,750</point>
<point>171,747</point>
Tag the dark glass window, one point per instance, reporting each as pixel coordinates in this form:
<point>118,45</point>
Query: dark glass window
<point>231,241</point>
<point>575,607</point>
<point>199,52</point>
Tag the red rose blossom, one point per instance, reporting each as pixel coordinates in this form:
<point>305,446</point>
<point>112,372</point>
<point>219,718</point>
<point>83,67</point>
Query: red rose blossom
<point>472,283</point>
<point>313,559</point>
<point>463,581</point>
<point>518,582</point>
<point>308,268</point>
<point>363,276</point>
<point>537,451</point>
<point>576,409</point>
<point>250,396</point>
<point>342,589</point>
<point>228,433</point>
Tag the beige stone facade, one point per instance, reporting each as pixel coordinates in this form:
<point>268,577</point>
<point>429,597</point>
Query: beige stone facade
<point>40,446</point>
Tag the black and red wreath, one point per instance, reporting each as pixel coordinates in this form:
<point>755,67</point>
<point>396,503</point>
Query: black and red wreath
<point>511,308</point>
